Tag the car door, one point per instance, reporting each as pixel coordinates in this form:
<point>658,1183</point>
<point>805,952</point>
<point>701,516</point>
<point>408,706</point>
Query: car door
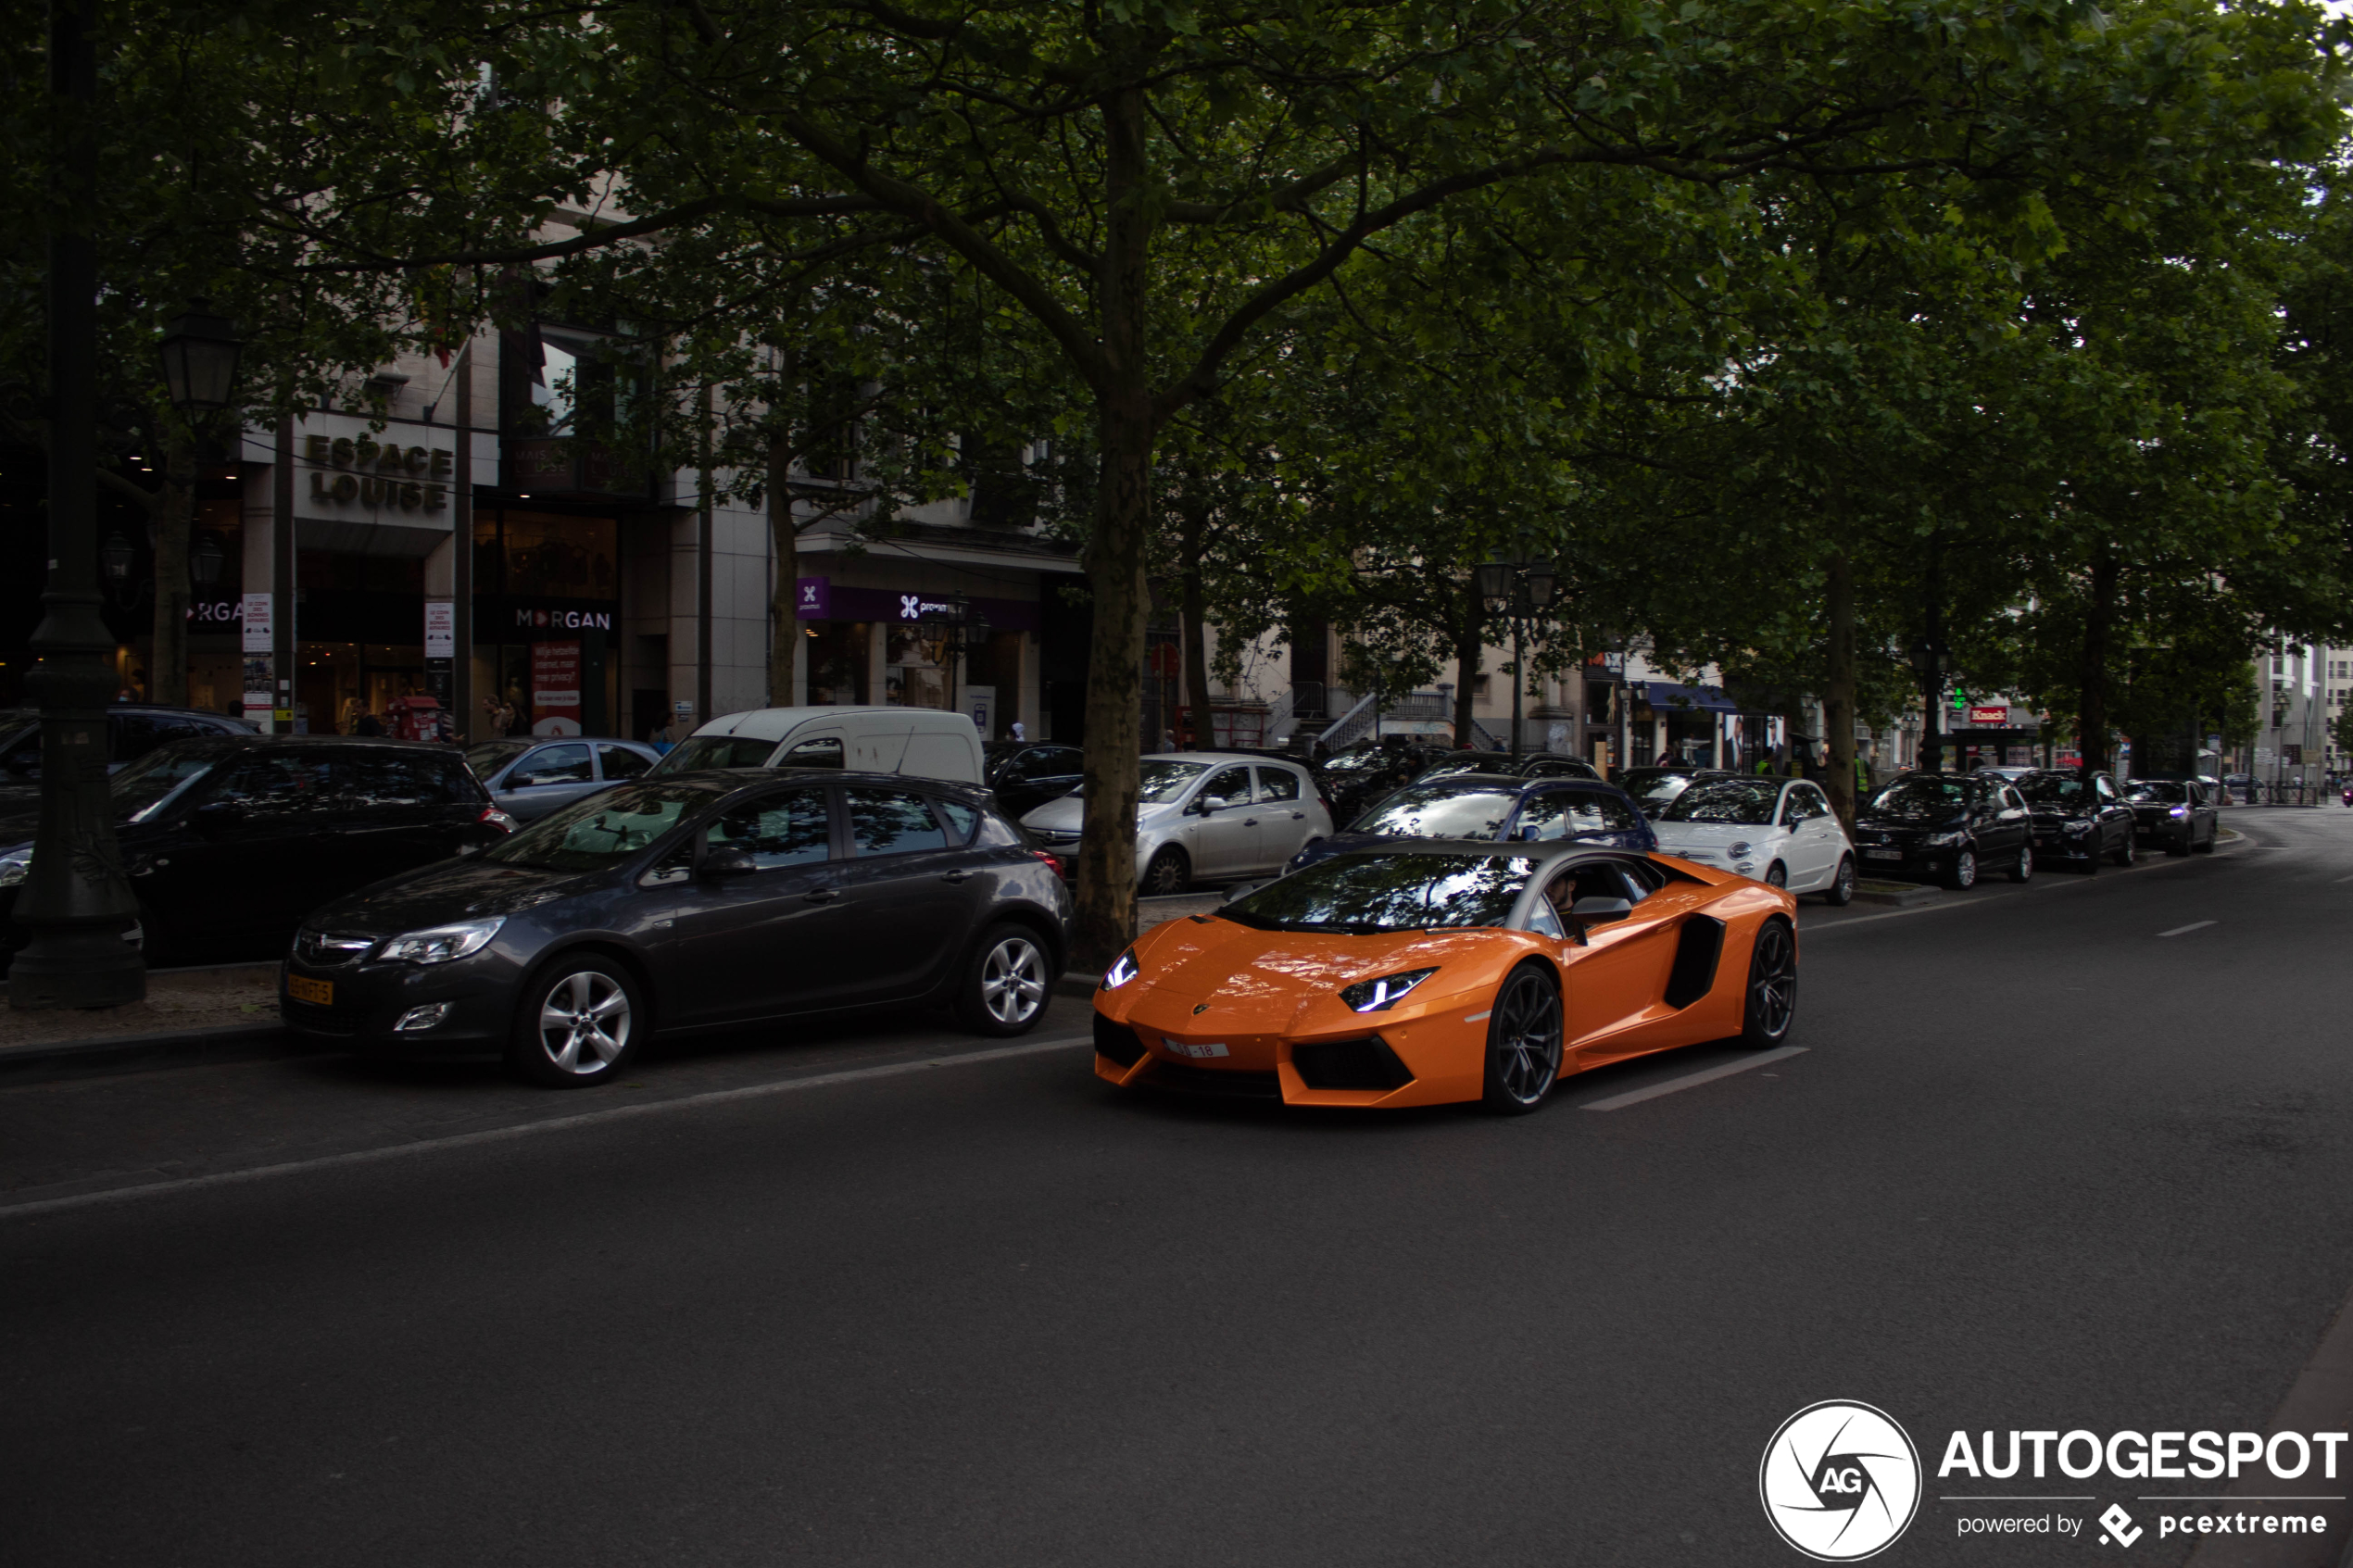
<point>398,809</point>
<point>2115,818</point>
<point>544,778</point>
<point>1225,840</point>
<point>265,845</point>
<point>913,894</point>
<point>1555,812</point>
<point>1283,821</point>
<point>1998,826</point>
<point>1824,841</point>
<point>1618,976</point>
<point>765,942</point>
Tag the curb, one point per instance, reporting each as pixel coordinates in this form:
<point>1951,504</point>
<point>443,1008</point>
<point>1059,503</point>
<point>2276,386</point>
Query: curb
<point>233,1042</point>
<point>1900,895</point>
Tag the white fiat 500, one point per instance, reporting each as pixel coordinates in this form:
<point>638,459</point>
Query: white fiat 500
<point>1204,816</point>
<point>1780,831</point>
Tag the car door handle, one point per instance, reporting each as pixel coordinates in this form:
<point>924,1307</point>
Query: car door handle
<point>1250,822</point>
<point>822,895</point>
<point>958,875</point>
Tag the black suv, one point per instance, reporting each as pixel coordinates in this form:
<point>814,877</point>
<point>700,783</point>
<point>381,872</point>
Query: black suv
<point>134,729</point>
<point>229,842</point>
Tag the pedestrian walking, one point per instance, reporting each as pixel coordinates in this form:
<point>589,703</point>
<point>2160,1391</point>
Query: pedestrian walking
<point>1019,733</point>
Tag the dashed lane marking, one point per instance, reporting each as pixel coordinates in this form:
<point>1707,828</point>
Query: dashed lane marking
<point>1688,1080</point>
<point>2186,930</point>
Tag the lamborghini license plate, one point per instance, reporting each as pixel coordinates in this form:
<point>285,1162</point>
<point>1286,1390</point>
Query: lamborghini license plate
<point>317,993</point>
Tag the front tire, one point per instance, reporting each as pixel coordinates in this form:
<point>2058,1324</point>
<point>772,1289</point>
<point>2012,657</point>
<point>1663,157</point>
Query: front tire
<point>1772,986</point>
<point>2024,870</point>
<point>1964,873</point>
<point>1523,1042</point>
<point>1004,987</point>
<point>1169,872</point>
<point>1777,875</point>
<point>579,1023</point>
<point>1840,892</point>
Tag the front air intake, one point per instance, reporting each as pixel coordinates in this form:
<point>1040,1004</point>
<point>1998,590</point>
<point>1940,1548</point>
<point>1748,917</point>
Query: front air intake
<point>1350,1064</point>
<point>1116,1042</point>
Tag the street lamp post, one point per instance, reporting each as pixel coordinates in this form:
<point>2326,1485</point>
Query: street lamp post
<point>1522,588</point>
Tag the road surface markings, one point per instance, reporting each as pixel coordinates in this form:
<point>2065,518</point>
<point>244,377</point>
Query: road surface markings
<point>2186,930</point>
<point>2344,879</point>
<point>1687,1081</point>
<point>528,1129</point>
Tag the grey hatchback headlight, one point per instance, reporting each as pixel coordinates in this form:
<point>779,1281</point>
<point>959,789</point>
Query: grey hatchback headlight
<point>440,943</point>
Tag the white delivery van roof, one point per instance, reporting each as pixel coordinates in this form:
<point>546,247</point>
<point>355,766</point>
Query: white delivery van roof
<point>920,742</point>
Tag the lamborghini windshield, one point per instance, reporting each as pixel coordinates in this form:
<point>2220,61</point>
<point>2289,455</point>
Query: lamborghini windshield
<point>1365,894</point>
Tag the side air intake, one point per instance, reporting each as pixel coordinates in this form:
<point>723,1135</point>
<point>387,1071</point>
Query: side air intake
<point>1695,958</point>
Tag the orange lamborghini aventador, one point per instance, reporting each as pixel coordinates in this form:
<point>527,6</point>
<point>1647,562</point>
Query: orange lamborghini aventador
<point>1449,972</point>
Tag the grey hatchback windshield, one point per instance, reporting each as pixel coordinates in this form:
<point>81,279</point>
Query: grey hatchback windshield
<point>602,831</point>
<point>1748,802</point>
<point>1440,810</point>
<point>1159,783</point>
<point>1364,894</point>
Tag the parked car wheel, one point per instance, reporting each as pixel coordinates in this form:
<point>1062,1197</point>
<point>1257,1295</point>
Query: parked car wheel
<point>580,1023</point>
<point>1964,871</point>
<point>1777,875</point>
<point>2124,851</point>
<point>1005,984</point>
<point>2024,869</point>
<point>2211,839</point>
<point>2179,847</point>
<point>1169,872</point>
<point>1523,1042</point>
<point>1840,892</point>
<point>1772,986</point>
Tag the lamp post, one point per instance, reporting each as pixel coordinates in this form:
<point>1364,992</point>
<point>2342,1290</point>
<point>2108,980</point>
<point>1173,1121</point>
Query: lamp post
<point>1520,588</point>
<point>74,905</point>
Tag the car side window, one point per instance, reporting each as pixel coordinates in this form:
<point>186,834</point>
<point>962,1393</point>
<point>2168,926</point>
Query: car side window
<point>2105,786</point>
<point>1557,814</point>
<point>892,822</point>
<point>1598,879</point>
<point>551,765</point>
<point>961,818</point>
<point>1617,816</point>
<point>284,787</point>
<point>1231,784</point>
<point>821,751</point>
<point>395,779</point>
<point>1066,759</point>
<point>1278,784</point>
<point>619,763</point>
<point>1546,920</point>
<point>777,830</point>
<point>2012,800</point>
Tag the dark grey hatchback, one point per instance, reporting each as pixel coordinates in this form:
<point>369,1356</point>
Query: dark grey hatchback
<point>703,901</point>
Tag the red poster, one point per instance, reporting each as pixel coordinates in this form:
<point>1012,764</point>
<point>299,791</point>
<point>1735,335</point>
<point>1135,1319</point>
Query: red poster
<point>555,688</point>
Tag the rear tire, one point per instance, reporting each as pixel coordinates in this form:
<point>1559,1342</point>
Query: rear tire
<point>1006,982</point>
<point>1523,1042</point>
<point>2024,870</point>
<point>1169,872</point>
<point>1771,1006</point>
<point>579,1023</point>
<point>1840,892</point>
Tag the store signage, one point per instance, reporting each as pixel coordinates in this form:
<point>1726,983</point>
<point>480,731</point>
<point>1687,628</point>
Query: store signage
<point>814,598</point>
<point>258,635</point>
<point>1995,716</point>
<point>441,629</point>
<point>216,612</point>
<point>378,475</point>
<point>563,620</point>
<point>914,606</point>
<point>555,688</point>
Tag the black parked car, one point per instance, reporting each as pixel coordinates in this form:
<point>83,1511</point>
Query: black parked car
<point>229,842</point>
<point>2178,814</point>
<point>1528,765</point>
<point>1026,774</point>
<point>1351,781</point>
<point>2078,819</point>
<point>1654,788</point>
<point>705,900</point>
<point>1488,805</point>
<point>1949,826</point>
<point>134,729</point>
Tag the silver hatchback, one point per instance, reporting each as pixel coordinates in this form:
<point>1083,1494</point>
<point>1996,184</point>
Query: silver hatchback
<point>1204,816</point>
<point>529,778</point>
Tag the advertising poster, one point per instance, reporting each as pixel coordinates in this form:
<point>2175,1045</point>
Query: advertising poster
<point>555,688</point>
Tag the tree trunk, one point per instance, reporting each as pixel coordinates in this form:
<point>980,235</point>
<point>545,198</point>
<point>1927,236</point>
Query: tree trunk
<point>784,608</point>
<point>1470,647</point>
<point>1195,611</point>
<point>170,512</point>
<point>1838,695</point>
<point>1128,426</point>
<point>2099,618</point>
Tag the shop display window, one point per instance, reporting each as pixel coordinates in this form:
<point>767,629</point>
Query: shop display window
<point>552,556</point>
<point>914,672</point>
<point>838,652</point>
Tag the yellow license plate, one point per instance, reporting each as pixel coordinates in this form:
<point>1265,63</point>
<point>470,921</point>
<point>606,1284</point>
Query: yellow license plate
<point>319,993</point>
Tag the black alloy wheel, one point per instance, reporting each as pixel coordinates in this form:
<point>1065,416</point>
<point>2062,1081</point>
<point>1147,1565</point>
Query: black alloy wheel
<point>1169,872</point>
<point>1964,871</point>
<point>1840,892</point>
<point>580,1023</point>
<point>1523,1042</point>
<point>1006,982</point>
<point>1772,986</point>
<point>1777,875</point>
<point>2024,869</point>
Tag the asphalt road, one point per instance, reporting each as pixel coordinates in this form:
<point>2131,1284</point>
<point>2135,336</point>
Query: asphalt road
<point>2040,1165</point>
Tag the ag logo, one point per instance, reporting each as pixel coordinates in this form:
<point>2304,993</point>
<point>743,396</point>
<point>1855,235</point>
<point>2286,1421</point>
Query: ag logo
<point>1840,1481</point>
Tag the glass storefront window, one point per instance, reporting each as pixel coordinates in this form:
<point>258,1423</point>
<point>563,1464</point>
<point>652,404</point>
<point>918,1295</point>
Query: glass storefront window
<point>915,674</point>
<point>552,556</point>
<point>837,653</point>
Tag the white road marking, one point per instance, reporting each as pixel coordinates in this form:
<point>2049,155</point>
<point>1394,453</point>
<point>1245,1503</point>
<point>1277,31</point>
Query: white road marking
<point>1672,1086</point>
<point>2344,879</point>
<point>2186,930</point>
<point>528,1129</point>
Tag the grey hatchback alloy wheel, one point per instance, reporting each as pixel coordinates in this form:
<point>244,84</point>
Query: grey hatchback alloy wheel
<point>1005,985</point>
<point>579,1023</point>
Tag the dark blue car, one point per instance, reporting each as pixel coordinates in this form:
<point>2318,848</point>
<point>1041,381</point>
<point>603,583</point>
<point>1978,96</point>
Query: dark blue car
<point>1491,805</point>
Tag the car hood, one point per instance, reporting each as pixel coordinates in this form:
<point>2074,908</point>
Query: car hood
<point>449,891</point>
<point>1066,814</point>
<point>1230,976</point>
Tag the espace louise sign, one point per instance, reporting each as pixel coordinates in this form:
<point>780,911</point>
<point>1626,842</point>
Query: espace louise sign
<point>377,475</point>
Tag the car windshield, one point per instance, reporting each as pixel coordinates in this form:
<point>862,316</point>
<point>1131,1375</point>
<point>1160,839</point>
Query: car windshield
<point>601,831</point>
<point>491,755</point>
<point>698,752</point>
<point>1364,894</point>
<point>1464,762</point>
<point>1351,761</point>
<point>2157,791</point>
<point>1919,799</point>
<point>1746,801</point>
<point>1655,785</point>
<point>1440,810</point>
<point>2052,789</point>
<point>1159,783</point>
<point>141,789</point>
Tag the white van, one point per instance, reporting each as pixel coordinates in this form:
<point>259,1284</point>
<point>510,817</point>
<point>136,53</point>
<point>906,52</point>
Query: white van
<point>921,742</point>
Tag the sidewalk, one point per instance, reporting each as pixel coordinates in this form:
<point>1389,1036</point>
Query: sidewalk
<point>221,1010</point>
